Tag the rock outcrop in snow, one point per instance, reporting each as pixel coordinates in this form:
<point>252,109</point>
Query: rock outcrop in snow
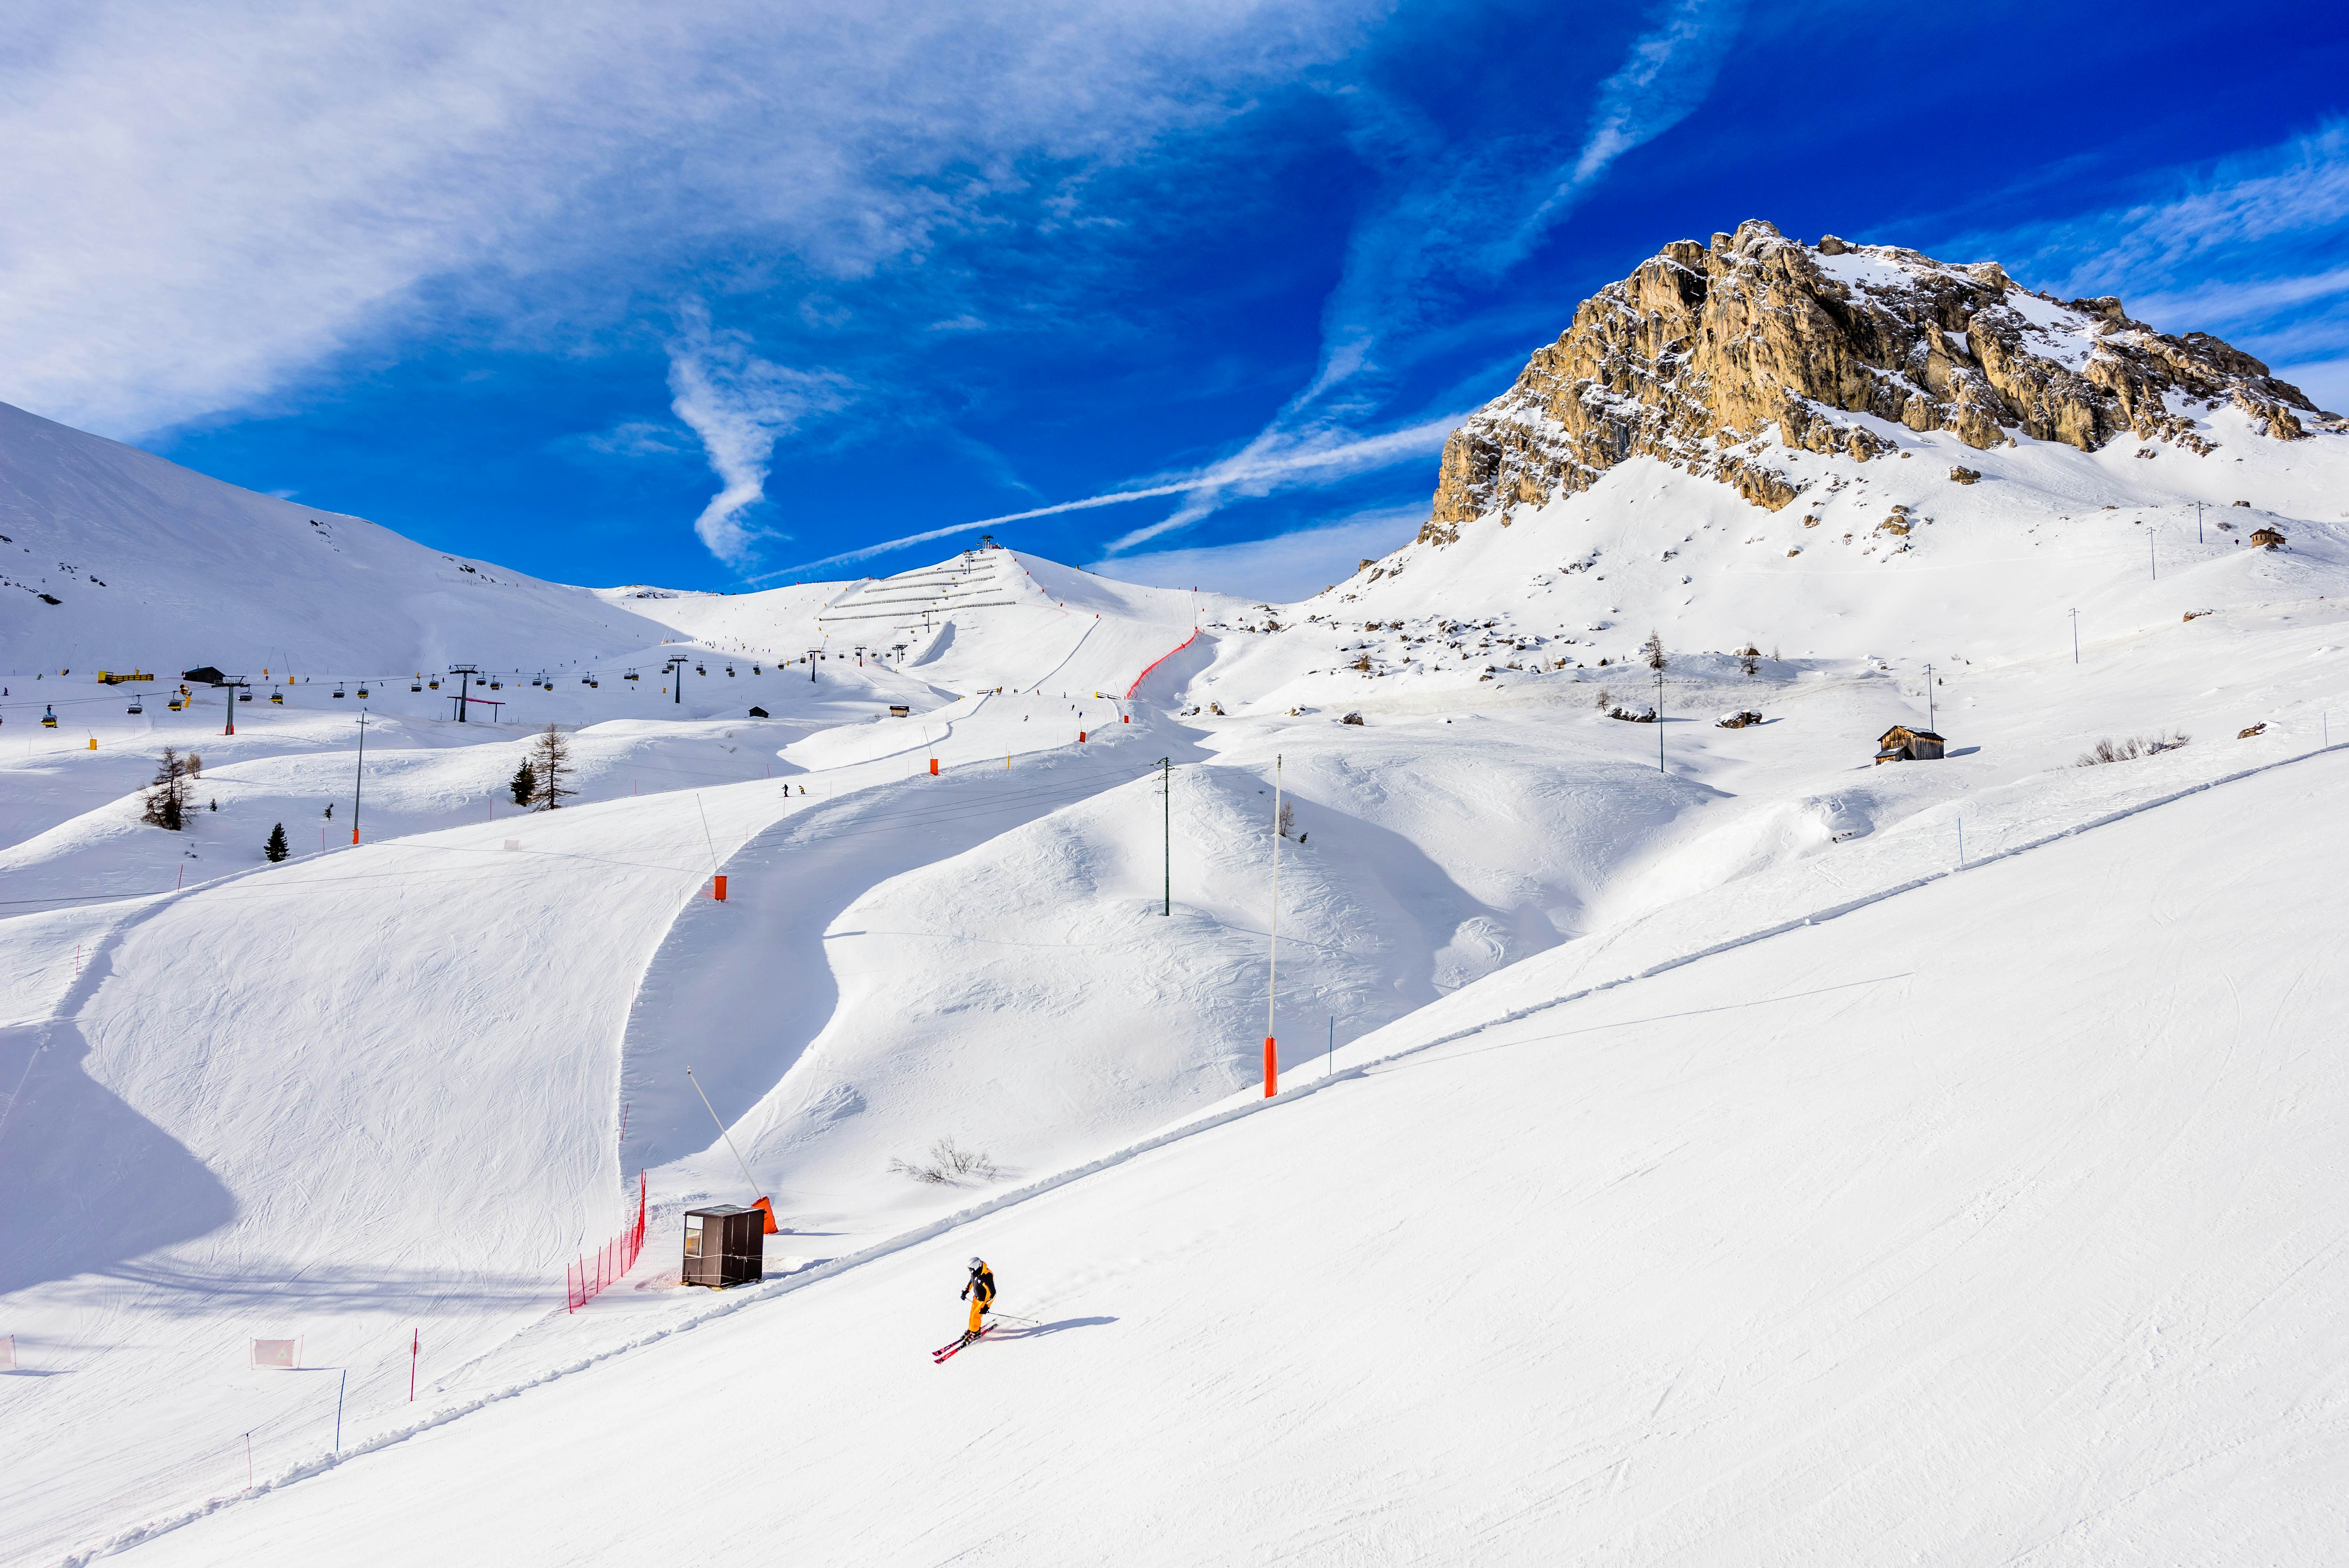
<point>1703,348</point>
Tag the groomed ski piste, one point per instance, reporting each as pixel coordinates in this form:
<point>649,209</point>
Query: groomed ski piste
<point>1765,1155</point>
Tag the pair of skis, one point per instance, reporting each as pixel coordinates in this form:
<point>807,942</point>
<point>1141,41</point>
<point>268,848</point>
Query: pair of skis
<point>946,1353</point>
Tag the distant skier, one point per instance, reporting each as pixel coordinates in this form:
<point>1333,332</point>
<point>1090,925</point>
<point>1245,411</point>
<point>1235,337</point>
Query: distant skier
<point>330,810</point>
<point>980,1291</point>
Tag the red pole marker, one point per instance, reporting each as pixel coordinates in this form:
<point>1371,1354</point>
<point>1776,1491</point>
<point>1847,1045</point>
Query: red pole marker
<point>934,767</point>
<point>1271,1070</point>
<point>718,889</point>
<point>1081,738</point>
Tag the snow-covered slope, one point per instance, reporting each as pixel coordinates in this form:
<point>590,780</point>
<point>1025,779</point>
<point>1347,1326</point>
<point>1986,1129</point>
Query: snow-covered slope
<point>154,567</point>
<point>378,1097</point>
<point>1817,1250</point>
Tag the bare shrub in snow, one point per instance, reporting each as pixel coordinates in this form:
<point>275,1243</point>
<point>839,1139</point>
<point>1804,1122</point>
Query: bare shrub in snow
<point>1605,701</point>
<point>1352,719</point>
<point>1652,650</point>
<point>195,761</point>
<point>1749,660</point>
<point>2129,750</point>
<point>949,1164</point>
<point>1287,818</point>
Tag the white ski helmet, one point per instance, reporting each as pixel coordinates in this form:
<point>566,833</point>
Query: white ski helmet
<point>975,1264</point>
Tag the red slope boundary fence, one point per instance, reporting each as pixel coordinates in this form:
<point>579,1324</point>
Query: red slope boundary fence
<point>1158,661</point>
<point>586,1280</point>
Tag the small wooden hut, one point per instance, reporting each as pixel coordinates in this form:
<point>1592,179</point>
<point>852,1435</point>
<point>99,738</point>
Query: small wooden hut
<point>2268,539</point>
<point>725,1244</point>
<point>1902,743</point>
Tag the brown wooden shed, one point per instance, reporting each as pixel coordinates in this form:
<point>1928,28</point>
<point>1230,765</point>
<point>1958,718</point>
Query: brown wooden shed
<point>1902,743</point>
<point>725,1244</point>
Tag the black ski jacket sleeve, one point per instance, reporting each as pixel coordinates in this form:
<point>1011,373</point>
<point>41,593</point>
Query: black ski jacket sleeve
<point>983,1282</point>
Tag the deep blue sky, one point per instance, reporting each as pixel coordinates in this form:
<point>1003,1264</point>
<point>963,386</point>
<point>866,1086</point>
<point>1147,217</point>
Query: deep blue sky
<point>538,288</point>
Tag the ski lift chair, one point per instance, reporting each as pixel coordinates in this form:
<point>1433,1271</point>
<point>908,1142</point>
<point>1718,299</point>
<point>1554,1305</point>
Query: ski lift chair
<point>278,698</point>
<point>362,691</point>
<point>244,696</point>
<point>699,670</point>
<point>730,672</point>
<point>134,706</point>
<point>415,685</point>
<point>497,685</point>
<point>174,704</point>
<point>48,718</point>
<point>630,675</point>
<point>338,691</point>
<point>435,683</point>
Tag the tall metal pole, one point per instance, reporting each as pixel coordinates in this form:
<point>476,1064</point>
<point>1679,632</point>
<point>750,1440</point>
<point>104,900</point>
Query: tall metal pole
<point>1659,721</point>
<point>2152,564</point>
<point>2197,522</point>
<point>1272,972</point>
<point>723,1133</point>
<point>358,776</point>
<point>1928,696</point>
<point>1166,800</point>
<point>2076,636</point>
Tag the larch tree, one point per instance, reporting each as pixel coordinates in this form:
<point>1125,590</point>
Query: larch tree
<point>550,760</point>
<point>167,793</point>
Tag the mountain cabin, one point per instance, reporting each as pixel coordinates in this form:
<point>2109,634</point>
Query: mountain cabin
<point>1902,743</point>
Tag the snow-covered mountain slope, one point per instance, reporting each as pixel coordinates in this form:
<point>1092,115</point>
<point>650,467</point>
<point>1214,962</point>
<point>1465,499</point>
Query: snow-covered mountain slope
<point>114,558</point>
<point>975,622</point>
<point>1817,1249</point>
<point>381,1095</point>
<point>1795,448</point>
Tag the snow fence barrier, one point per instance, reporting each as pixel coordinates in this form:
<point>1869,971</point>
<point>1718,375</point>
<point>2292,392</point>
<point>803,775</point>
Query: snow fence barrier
<point>586,1280</point>
<point>1159,660</point>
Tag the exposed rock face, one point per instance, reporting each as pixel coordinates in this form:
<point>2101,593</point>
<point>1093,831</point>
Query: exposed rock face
<point>1697,354</point>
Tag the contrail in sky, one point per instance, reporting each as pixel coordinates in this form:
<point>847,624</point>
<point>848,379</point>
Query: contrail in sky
<point>1370,452</point>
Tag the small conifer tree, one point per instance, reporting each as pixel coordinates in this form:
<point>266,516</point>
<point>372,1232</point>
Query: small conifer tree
<point>275,848</point>
<point>523,785</point>
<point>1653,648</point>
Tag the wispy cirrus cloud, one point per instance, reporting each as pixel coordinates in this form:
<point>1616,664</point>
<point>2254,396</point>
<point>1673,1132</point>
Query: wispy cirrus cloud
<point>739,405</point>
<point>1456,218</point>
<point>206,201</point>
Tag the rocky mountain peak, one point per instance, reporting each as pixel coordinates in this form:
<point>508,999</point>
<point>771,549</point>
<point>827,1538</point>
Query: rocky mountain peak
<point>1705,348</point>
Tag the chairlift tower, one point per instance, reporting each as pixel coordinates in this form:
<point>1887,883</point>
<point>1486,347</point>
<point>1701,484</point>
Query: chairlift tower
<point>464,674</point>
<point>233,687</point>
<point>813,654</point>
<point>676,673</point>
